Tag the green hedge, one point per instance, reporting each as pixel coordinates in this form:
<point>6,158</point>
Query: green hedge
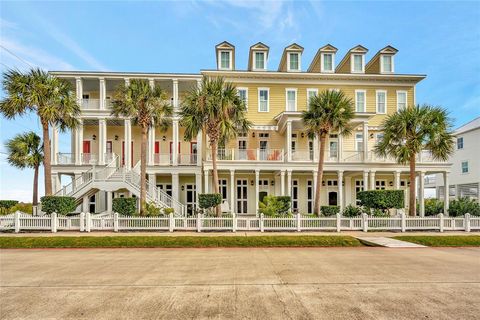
<point>275,206</point>
<point>60,205</point>
<point>125,206</point>
<point>209,200</point>
<point>329,210</point>
<point>463,206</point>
<point>5,205</point>
<point>382,199</point>
<point>433,207</point>
<point>352,211</point>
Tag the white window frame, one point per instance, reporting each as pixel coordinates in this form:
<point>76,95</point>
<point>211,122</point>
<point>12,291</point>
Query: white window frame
<point>246,95</point>
<point>458,140</point>
<point>286,98</point>
<point>461,167</point>
<point>352,63</point>
<point>381,63</point>
<point>322,59</point>
<point>268,100</point>
<point>299,62</point>
<point>406,98</point>
<point>357,139</point>
<point>364,100</point>
<point>308,91</point>
<point>254,56</point>
<point>230,62</point>
<point>376,98</point>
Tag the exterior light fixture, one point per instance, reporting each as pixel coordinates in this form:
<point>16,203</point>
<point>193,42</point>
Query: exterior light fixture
<point>302,135</point>
<point>116,137</point>
<point>94,137</point>
<point>183,188</point>
<point>164,138</point>
<point>253,135</point>
<point>252,182</point>
<point>272,183</point>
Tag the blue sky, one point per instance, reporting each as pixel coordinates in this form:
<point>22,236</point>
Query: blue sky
<point>440,39</point>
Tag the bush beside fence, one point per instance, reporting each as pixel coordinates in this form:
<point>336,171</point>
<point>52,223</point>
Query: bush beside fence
<point>115,222</point>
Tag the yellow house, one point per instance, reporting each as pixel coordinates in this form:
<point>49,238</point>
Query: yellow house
<point>275,158</point>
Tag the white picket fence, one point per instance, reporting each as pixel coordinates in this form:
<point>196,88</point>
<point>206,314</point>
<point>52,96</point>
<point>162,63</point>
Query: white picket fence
<point>114,222</point>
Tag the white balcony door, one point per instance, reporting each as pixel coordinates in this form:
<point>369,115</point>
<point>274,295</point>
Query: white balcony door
<point>242,196</point>
<point>295,195</point>
<point>263,149</point>
<point>191,198</point>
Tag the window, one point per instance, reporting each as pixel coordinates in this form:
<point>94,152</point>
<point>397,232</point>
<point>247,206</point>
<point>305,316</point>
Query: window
<point>222,185</point>
<point>263,96</point>
<point>294,62</point>
<point>333,149</point>
<point>360,100</point>
<point>310,93</point>
<point>359,142</point>
<point>387,64</point>
<point>381,101</point>
<point>464,166</point>
<point>380,184</point>
<point>327,62</point>
<point>460,143</point>
<point>358,188</point>
<point>401,100</point>
<point>291,99</point>
<point>378,137</point>
<point>357,63</point>
<point>309,196</point>
<point>243,94</point>
<point>225,60</point>
<point>332,183</point>
<point>260,60</point>
<point>264,135</point>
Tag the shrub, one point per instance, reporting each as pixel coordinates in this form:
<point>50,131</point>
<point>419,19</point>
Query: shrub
<point>125,206</point>
<point>462,206</point>
<point>352,211</point>
<point>22,207</point>
<point>58,204</point>
<point>329,210</point>
<point>5,205</point>
<point>433,207</point>
<point>167,211</point>
<point>275,206</point>
<point>209,200</point>
<point>382,199</point>
<point>152,210</point>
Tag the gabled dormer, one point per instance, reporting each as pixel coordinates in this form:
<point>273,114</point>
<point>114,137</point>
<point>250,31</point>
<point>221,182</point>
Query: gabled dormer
<point>291,59</point>
<point>324,60</point>
<point>354,61</point>
<point>258,57</point>
<point>382,62</point>
<point>225,53</point>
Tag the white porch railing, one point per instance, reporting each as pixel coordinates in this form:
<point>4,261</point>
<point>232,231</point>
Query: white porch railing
<point>352,156</point>
<point>187,159</point>
<point>91,104</point>
<point>65,158</point>
<point>162,159</point>
<point>248,154</point>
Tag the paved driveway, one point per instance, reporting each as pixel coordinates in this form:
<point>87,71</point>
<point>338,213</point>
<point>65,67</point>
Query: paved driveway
<point>281,283</point>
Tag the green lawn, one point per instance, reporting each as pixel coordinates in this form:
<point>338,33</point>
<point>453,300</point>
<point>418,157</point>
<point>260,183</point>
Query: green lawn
<point>178,242</point>
<point>443,241</point>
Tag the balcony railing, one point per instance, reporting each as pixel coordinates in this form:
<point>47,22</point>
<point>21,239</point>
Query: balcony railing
<point>89,158</point>
<point>352,156</point>
<point>91,104</point>
<point>302,155</point>
<point>65,158</point>
<point>248,154</point>
<point>187,159</point>
<point>162,159</point>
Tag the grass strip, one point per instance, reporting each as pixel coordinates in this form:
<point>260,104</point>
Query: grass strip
<point>443,241</point>
<point>178,242</point>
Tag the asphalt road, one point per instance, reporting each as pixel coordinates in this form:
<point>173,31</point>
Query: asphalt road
<point>261,283</point>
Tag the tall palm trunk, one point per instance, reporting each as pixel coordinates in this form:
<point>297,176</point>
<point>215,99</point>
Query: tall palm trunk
<point>215,175</point>
<point>411,201</point>
<point>47,159</point>
<point>321,161</point>
<point>143,169</point>
<point>35,186</point>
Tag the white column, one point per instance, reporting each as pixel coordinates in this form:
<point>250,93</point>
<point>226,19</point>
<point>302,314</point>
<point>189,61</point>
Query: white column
<point>152,181</point>
<point>316,151</point>
<point>54,144</point>
<point>232,190</point>
<point>175,186</point>
<point>85,204</point>
<point>198,183</point>
<point>102,91</point>
<point>289,140</point>
<point>257,189</point>
<point>315,178</point>
<point>175,142</point>
<point>151,82</point>
<point>372,180</point>
<point>79,143</point>
<point>340,148</point>
<point>348,190</point>
<point>151,146</point>
<point>128,143</point>
<point>206,180</point>
<point>289,183</point>
<point>109,201</point>
<point>421,193</point>
<point>79,90</point>
<point>365,141</point>
<point>365,180</point>
<point>199,148</point>
<point>56,182</point>
<point>282,182</point>
<point>102,141</point>
<point>175,95</point>
<point>446,199</point>
<point>396,180</point>
<point>127,81</point>
<point>340,190</point>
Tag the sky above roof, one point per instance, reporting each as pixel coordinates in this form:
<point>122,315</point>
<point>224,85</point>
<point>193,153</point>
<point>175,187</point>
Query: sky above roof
<point>439,39</point>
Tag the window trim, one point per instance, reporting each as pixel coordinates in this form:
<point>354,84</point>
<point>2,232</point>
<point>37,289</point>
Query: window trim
<point>268,100</point>
<point>308,100</point>
<point>230,62</point>
<point>406,98</point>
<point>392,63</point>
<point>461,167</point>
<point>299,62</point>
<point>357,139</point>
<point>286,98</point>
<point>376,101</point>
<point>254,64</point>
<point>364,101</point>
<point>246,95</point>
<point>352,62</point>
<point>322,59</point>
<point>459,138</point>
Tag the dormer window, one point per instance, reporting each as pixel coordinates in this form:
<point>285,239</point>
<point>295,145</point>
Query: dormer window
<point>358,63</point>
<point>327,62</point>
<point>294,61</point>
<point>260,61</point>
<point>225,60</point>
<point>386,64</point>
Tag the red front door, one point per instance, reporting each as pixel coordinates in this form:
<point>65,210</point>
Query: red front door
<point>86,146</point>
<point>157,147</point>
<point>123,153</point>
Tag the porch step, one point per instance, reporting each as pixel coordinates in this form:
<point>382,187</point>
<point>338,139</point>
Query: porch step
<point>389,242</point>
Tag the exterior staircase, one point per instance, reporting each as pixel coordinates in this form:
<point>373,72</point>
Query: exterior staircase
<point>113,177</point>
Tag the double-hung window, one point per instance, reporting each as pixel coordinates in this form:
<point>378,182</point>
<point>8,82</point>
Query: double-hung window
<point>263,99</point>
<point>294,62</point>
<point>381,101</point>
<point>291,99</point>
<point>310,94</point>
<point>225,60</point>
<point>460,143</point>
<point>359,142</point>
<point>464,166</point>
<point>327,62</point>
<point>260,60</point>
<point>243,94</point>
<point>387,64</point>
<point>401,100</point>
<point>360,100</point>
<point>357,65</point>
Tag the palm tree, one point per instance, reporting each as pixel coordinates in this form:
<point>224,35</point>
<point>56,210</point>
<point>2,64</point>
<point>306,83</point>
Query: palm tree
<point>148,107</point>
<point>51,98</point>
<point>411,130</point>
<point>329,111</point>
<point>215,108</point>
<point>25,151</point>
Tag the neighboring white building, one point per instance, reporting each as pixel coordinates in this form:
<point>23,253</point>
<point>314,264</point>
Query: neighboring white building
<point>465,171</point>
